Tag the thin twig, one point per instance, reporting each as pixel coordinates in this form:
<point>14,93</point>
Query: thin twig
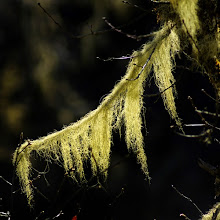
<point>203,90</point>
<point>135,6</point>
<point>46,170</point>
<point>183,67</point>
<point>187,198</point>
<point>39,4</point>
<point>37,190</point>
<point>139,37</point>
<point>40,214</point>
<point>191,37</point>
<point>116,58</point>
<point>160,1</point>
<point>135,37</point>
<point>194,125</point>
<point>30,183</point>
<point>208,167</point>
<point>1,177</point>
<point>143,67</point>
<point>59,214</point>
<point>183,215</point>
<point>67,32</point>
<point>203,70</point>
<point>40,193</point>
<point>19,152</point>
<point>121,193</point>
<point>172,85</point>
<point>191,135</point>
<point>207,113</point>
<point>202,118</point>
<point>159,93</point>
<point>86,186</point>
<point>216,140</point>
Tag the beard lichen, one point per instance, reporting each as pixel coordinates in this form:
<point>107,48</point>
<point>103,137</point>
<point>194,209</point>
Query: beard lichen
<point>89,140</point>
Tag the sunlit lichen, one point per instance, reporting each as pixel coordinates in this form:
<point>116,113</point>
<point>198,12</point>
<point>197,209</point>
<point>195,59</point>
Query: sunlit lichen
<point>89,140</point>
<point>213,213</point>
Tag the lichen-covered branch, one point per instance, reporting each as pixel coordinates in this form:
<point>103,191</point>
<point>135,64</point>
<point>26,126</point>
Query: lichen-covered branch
<point>89,140</point>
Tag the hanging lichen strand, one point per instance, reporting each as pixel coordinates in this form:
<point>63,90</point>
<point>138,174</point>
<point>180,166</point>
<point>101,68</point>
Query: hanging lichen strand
<point>213,213</point>
<point>187,12</point>
<point>163,65</point>
<point>89,139</point>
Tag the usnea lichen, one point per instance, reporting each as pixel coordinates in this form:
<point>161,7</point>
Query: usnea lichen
<point>213,214</point>
<point>89,139</point>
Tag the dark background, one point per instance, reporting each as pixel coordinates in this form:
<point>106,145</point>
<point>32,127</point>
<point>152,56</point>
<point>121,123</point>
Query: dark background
<point>50,78</point>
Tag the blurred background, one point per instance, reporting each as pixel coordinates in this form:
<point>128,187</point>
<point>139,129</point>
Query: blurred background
<point>50,76</point>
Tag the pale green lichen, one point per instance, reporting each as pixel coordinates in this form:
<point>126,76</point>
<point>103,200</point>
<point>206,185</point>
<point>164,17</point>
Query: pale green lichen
<point>163,65</point>
<point>213,213</point>
<point>187,11</point>
<point>89,140</point>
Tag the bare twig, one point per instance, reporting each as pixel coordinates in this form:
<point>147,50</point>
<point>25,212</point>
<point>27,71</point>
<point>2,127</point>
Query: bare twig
<point>46,170</point>
<point>41,213</point>
<point>135,6</point>
<point>39,4</point>
<point>40,193</point>
<point>208,167</point>
<point>5,214</point>
<point>183,67</point>
<point>67,32</point>
<point>143,67</point>
<point>190,58</point>
<point>202,118</point>
<point>159,93</point>
<point>1,177</point>
<point>135,37</point>
<point>203,90</point>
<point>37,190</point>
<point>194,125</point>
<point>19,152</point>
<point>121,193</point>
<point>191,135</point>
<point>190,36</point>
<point>30,183</point>
<point>116,58</point>
<point>92,32</point>
<point>160,1</point>
<point>58,215</point>
<point>187,198</point>
<point>216,140</point>
<point>207,113</point>
<point>183,215</point>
